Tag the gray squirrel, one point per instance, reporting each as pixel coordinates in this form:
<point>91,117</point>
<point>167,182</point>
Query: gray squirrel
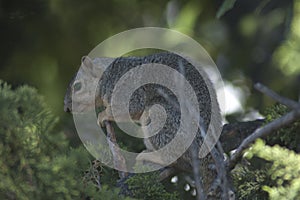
<point>112,69</point>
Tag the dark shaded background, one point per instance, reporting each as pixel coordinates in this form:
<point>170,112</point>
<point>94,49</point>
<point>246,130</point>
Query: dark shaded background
<point>42,41</point>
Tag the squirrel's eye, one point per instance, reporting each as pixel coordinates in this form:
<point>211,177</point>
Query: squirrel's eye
<point>77,86</point>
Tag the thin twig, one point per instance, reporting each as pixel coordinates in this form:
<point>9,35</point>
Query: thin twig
<point>200,193</point>
<point>198,183</point>
<point>217,154</point>
<point>269,128</point>
<point>222,173</point>
<point>280,99</point>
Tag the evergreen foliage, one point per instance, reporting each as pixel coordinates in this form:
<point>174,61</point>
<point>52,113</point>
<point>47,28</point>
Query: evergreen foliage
<point>285,170</point>
<point>271,172</point>
<point>254,40</point>
<point>248,182</point>
<point>36,161</point>
<point>147,186</point>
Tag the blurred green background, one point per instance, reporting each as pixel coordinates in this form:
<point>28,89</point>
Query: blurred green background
<point>42,41</point>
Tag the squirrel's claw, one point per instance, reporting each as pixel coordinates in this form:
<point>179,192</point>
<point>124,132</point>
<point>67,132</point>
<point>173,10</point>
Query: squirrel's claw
<point>104,116</point>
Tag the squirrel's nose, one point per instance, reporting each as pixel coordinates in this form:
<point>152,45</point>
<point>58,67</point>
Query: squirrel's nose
<point>67,108</point>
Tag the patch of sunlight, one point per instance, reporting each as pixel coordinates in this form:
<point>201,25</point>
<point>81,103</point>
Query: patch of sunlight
<point>252,114</point>
<point>234,99</point>
<point>174,179</point>
<point>186,19</point>
<point>287,56</point>
<point>187,187</point>
<point>296,20</point>
<point>248,25</point>
<point>30,129</point>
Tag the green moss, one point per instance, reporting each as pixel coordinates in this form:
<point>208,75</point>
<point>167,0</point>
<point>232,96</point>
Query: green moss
<point>288,136</point>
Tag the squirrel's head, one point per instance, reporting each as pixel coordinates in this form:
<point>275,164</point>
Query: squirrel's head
<point>81,90</point>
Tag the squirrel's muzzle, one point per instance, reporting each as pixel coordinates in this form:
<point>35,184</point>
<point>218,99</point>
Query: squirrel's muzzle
<point>67,104</point>
<point>67,109</point>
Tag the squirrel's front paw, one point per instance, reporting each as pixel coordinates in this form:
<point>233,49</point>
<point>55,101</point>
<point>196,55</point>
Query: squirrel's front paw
<point>101,119</point>
<point>104,116</point>
<point>154,157</point>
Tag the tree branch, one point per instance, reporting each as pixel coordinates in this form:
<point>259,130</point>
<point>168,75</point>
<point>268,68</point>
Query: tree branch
<point>280,99</point>
<point>269,128</point>
<point>233,134</point>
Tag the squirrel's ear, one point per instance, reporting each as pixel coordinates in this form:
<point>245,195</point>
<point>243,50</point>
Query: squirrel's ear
<point>88,65</point>
<point>82,59</point>
<point>87,62</point>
